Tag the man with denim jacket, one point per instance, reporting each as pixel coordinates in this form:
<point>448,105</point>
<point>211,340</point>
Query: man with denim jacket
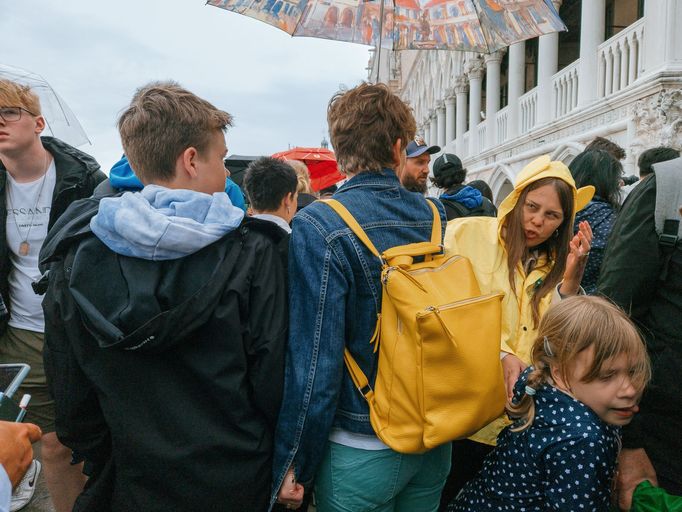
<point>323,432</point>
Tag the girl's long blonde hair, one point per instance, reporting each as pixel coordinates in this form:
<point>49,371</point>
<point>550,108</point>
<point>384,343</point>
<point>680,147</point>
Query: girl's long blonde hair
<point>303,177</point>
<point>567,329</point>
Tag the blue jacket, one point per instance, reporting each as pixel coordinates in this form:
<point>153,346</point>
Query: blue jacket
<point>334,298</point>
<point>601,216</point>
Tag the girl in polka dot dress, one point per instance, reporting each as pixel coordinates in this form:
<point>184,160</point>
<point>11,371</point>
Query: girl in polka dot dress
<point>589,370</point>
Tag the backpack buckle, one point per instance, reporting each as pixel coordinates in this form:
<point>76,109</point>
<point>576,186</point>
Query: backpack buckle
<point>667,240</point>
<point>365,390</point>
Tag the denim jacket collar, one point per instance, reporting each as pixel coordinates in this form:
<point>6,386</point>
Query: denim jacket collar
<point>386,177</point>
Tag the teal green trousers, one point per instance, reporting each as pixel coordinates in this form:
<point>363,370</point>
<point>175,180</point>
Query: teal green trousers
<point>354,480</point>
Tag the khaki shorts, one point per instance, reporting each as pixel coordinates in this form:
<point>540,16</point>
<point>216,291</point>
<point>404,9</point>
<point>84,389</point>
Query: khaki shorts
<point>21,346</point>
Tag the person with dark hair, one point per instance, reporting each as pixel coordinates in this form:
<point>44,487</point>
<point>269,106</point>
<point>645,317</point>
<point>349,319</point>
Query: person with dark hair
<point>415,172</point>
<point>646,160</point>
<point>484,188</point>
<point>642,273</point>
<point>597,168</point>
<point>270,185</point>
<point>653,156</point>
<point>610,147</point>
<point>459,200</point>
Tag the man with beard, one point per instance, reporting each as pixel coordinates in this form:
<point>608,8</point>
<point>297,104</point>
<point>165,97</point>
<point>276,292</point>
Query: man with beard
<point>416,170</point>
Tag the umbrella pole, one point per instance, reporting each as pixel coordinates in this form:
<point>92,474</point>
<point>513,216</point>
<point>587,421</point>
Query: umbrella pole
<point>381,31</point>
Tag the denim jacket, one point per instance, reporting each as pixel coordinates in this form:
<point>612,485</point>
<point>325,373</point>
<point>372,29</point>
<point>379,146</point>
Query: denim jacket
<point>334,298</point>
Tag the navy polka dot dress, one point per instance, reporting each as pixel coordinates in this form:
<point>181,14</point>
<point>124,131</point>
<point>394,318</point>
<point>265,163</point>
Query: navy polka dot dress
<point>564,461</point>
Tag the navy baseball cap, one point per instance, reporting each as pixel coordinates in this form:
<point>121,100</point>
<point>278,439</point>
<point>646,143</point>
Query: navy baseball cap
<point>418,147</point>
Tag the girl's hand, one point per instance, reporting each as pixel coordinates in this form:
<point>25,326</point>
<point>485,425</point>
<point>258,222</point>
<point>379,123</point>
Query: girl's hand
<point>512,367</point>
<point>579,250</point>
<point>291,492</point>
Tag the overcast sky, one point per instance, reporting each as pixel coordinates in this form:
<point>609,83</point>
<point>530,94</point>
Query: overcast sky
<point>95,54</point>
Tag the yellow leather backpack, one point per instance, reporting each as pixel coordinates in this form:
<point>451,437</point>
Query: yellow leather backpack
<point>439,376</point>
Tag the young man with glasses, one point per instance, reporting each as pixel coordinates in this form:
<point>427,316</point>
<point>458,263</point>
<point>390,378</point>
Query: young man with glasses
<point>39,178</point>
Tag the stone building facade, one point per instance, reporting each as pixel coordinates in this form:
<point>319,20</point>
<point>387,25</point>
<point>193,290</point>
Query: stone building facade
<point>616,73</point>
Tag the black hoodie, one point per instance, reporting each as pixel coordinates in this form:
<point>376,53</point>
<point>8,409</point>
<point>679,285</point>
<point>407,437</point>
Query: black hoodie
<point>167,375</point>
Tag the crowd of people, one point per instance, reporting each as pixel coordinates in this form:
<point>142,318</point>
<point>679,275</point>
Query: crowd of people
<point>189,349</point>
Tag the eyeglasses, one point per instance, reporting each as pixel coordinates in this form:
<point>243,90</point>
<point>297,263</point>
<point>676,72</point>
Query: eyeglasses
<point>12,114</point>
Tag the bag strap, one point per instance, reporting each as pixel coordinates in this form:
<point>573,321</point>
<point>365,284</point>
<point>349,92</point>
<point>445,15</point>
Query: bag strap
<point>668,176</point>
<point>437,229</point>
<point>358,376</point>
<point>343,212</point>
<point>458,208</point>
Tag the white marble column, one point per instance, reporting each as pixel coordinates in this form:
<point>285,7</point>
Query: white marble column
<point>461,90</point>
<point>433,131</point>
<point>492,96</point>
<point>662,45</point>
<point>475,69</point>
<point>440,123</point>
<point>449,117</point>
<point>548,62</point>
<point>592,21</point>
<point>426,129</point>
<point>517,75</point>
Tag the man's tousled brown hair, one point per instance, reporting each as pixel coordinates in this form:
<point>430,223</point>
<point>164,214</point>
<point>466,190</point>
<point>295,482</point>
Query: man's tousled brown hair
<point>162,121</point>
<point>13,94</point>
<point>364,123</point>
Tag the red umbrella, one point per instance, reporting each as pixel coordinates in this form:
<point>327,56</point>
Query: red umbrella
<point>321,165</point>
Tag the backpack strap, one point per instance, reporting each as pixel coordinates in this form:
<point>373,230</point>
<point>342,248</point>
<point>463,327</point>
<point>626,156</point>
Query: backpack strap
<point>458,208</point>
<point>358,376</point>
<point>343,212</point>
<point>668,176</point>
<point>437,229</point>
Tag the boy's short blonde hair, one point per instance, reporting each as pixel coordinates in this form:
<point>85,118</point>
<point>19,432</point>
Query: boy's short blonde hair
<point>364,124</point>
<point>13,94</point>
<point>162,121</point>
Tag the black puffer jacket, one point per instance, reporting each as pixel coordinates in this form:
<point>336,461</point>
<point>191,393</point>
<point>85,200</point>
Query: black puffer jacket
<point>167,376</point>
<point>77,176</point>
<point>631,276</point>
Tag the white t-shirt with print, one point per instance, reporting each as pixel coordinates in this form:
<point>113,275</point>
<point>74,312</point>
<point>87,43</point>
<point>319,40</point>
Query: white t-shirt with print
<point>27,218</point>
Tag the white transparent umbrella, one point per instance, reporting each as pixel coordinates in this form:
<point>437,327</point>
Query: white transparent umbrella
<point>61,121</point>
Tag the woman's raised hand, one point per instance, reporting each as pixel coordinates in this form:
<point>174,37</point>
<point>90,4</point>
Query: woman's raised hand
<point>579,250</point>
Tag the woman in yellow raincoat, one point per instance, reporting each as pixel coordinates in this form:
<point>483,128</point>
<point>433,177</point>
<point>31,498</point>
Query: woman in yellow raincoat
<point>528,252</point>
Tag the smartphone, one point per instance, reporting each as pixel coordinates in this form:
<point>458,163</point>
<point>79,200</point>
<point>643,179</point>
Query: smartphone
<point>11,377</point>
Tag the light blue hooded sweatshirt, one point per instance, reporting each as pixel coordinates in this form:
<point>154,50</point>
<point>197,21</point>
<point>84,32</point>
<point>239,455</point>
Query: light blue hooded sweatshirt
<point>159,223</point>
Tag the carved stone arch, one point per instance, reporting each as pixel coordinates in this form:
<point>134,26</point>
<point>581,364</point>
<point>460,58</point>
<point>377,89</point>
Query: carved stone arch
<point>501,182</point>
<point>567,152</point>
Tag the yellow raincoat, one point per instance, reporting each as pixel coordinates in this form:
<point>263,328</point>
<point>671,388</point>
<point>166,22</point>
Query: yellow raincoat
<point>480,240</point>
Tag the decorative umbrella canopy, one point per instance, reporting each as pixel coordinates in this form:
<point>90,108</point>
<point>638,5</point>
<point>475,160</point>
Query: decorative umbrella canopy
<point>61,121</point>
<point>321,165</point>
<point>467,25</point>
